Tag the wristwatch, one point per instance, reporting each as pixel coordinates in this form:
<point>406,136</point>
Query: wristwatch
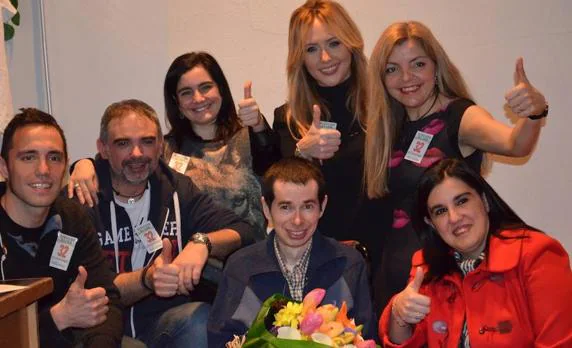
<point>202,238</point>
<point>542,115</point>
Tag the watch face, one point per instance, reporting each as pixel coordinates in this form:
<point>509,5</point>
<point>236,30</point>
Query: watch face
<point>203,239</point>
<point>199,237</point>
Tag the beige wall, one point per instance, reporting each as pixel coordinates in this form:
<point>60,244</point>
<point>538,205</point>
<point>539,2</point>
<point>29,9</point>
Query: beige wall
<point>103,51</point>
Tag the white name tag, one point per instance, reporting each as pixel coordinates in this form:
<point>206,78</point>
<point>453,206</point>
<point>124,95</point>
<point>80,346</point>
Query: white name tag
<point>179,162</point>
<point>149,237</point>
<point>418,147</point>
<point>328,125</point>
<point>63,251</point>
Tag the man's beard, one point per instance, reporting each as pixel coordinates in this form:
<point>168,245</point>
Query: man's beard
<point>138,178</point>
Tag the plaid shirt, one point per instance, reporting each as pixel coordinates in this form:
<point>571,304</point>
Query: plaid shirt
<point>296,278</point>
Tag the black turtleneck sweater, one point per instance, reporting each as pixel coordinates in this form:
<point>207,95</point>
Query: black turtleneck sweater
<point>343,172</point>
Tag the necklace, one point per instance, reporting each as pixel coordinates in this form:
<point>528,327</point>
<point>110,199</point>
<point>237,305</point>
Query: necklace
<point>430,108</point>
<point>130,198</point>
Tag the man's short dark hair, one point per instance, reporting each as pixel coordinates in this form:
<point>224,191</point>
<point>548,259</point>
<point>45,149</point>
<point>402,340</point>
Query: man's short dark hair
<point>119,109</point>
<point>292,170</point>
<point>29,117</point>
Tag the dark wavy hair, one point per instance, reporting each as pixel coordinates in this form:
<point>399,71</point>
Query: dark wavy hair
<point>436,253</point>
<point>226,120</point>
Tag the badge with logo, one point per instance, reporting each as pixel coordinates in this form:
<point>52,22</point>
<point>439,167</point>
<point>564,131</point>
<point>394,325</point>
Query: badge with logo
<point>328,125</point>
<point>63,251</point>
<point>149,237</point>
<point>179,162</point>
<point>418,147</point>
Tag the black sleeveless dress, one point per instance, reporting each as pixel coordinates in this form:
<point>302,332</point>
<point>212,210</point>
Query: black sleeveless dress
<point>399,239</point>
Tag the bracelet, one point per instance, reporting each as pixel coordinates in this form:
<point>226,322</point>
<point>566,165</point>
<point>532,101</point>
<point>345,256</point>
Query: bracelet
<point>298,153</point>
<point>143,275</point>
<point>542,115</point>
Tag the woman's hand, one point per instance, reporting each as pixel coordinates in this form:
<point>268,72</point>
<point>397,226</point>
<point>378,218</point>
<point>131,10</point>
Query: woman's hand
<point>523,99</point>
<point>409,306</point>
<point>319,143</point>
<point>248,110</point>
<point>83,182</point>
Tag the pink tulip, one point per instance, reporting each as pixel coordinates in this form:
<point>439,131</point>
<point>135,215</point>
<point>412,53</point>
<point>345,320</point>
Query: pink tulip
<point>312,300</point>
<point>310,323</point>
<point>366,344</point>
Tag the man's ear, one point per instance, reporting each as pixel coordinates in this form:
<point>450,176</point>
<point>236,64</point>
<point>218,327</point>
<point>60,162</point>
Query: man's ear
<point>486,202</point>
<point>324,203</point>
<point>102,149</point>
<point>266,211</point>
<point>428,222</point>
<point>3,168</point>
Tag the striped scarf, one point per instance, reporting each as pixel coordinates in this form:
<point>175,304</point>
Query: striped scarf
<point>466,266</point>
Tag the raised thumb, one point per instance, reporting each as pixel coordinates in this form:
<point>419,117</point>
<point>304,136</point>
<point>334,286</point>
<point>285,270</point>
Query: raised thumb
<point>248,90</point>
<point>167,252</point>
<point>81,277</point>
<point>519,73</point>
<point>418,279</point>
<point>316,115</point>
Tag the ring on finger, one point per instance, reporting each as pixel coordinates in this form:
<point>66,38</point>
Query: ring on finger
<point>76,185</point>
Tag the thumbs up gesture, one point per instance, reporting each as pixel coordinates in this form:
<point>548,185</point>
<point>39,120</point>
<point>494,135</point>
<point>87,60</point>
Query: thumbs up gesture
<point>523,99</point>
<point>248,110</point>
<point>319,143</point>
<point>80,307</point>
<point>164,274</point>
<point>409,306</point>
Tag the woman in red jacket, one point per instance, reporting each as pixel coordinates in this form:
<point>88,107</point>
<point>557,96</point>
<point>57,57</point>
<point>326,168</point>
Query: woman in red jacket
<point>483,277</point>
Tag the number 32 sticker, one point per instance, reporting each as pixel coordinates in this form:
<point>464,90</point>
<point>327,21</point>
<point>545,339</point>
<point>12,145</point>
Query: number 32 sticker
<point>418,147</point>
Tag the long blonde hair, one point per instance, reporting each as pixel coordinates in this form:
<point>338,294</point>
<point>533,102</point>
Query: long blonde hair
<point>385,114</point>
<point>302,92</point>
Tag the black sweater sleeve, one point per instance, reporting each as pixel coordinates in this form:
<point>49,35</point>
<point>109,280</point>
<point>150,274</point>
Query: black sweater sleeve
<point>287,142</point>
<point>264,147</point>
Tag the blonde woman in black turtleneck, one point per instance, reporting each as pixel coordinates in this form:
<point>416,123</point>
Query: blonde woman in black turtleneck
<point>324,113</point>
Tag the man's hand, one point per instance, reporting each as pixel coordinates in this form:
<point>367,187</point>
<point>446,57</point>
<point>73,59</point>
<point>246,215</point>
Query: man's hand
<point>191,262</point>
<point>80,307</point>
<point>163,274</point>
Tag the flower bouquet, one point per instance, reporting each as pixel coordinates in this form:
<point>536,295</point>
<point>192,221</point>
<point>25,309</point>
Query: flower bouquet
<point>285,323</point>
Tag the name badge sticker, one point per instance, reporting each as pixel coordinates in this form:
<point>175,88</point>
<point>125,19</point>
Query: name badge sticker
<point>63,251</point>
<point>418,147</point>
<point>179,162</point>
<point>149,237</point>
<point>328,125</point>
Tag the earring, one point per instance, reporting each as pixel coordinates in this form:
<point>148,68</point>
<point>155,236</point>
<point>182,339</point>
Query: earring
<point>486,203</point>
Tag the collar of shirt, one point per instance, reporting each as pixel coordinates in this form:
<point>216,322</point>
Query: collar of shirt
<point>296,278</point>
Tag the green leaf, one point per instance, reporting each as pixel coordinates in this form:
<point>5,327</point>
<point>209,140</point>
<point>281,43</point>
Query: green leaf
<point>14,3</point>
<point>16,19</point>
<point>8,32</point>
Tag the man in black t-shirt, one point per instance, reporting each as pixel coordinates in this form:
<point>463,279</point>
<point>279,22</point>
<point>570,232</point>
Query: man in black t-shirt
<point>44,235</point>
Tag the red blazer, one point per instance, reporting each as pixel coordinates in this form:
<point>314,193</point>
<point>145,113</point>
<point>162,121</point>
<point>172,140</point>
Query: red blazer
<point>520,296</point>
